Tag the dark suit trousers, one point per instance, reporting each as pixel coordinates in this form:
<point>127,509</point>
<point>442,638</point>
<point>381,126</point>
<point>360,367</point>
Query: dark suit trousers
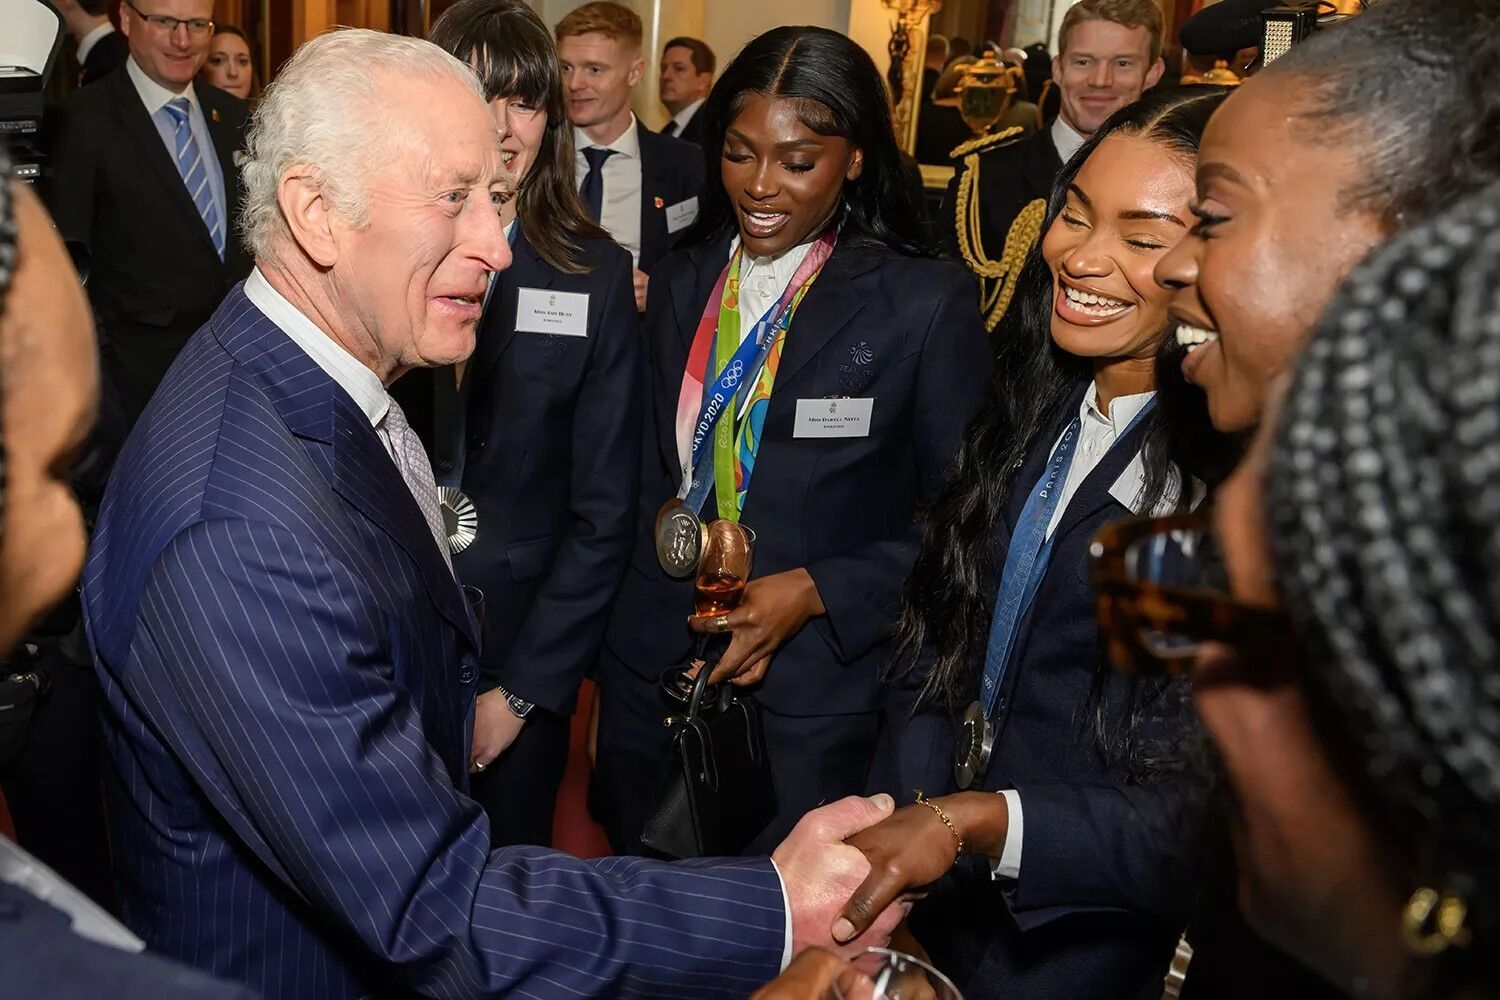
<point>815,759</point>
<point>519,790</point>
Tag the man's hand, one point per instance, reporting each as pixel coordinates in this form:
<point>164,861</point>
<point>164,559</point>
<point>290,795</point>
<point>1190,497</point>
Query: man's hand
<point>640,279</point>
<point>914,848</point>
<point>495,729</point>
<point>818,975</point>
<point>820,873</point>
<point>772,610</point>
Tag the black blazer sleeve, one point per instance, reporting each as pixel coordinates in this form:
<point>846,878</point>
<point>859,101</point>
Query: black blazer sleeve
<point>857,588</point>
<point>1105,848</point>
<point>565,625</point>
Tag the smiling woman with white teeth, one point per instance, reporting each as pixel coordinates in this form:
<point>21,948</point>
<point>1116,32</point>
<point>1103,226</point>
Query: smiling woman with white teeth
<point>540,430</point>
<point>809,337</point>
<point>1302,175</point>
<point>1061,771</point>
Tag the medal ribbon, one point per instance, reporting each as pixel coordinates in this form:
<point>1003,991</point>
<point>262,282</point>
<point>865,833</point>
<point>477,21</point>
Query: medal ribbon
<point>1027,557</point>
<point>751,361</point>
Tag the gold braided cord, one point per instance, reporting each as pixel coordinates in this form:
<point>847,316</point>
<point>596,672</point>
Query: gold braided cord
<point>985,142</point>
<point>997,279</point>
<point>1023,234</point>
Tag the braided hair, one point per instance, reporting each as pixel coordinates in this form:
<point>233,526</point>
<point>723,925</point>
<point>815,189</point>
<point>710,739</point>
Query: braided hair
<point>8,257</point>
<point>1384,495</point>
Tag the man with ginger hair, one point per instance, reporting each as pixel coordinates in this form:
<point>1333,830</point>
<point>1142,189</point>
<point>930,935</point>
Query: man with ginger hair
<point>640,186</point>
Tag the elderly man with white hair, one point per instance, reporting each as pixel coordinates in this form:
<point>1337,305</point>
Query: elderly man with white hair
<point>289,665</point>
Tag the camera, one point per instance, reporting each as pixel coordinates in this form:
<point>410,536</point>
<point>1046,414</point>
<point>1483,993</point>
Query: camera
<point>31,35</point>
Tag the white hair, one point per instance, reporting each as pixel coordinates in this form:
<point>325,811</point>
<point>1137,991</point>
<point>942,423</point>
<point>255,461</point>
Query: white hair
<point>327,109</point>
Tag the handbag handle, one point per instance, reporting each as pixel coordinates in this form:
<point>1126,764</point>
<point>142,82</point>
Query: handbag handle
<point>700,683</point>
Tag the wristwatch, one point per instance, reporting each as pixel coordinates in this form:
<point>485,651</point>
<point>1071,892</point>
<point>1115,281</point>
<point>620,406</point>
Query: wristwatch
<point>519,707</point>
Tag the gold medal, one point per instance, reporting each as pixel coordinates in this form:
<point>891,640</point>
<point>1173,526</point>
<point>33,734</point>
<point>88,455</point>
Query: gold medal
<point>680,538</point>
<point>976,740</point>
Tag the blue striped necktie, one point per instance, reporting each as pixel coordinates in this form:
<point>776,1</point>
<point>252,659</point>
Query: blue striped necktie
<point>194,173</point>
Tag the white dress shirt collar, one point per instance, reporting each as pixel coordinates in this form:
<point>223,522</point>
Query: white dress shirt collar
<point>763,279</point>
<point>353,377</point>
<point>87,42</point>
<point>686,115</point>
<point>1122,409</point>
<point>153,95</point>
<point>1066,138</point>
<point>628,144</point>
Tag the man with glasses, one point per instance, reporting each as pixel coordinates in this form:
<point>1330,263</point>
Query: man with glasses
<point>145,191</point>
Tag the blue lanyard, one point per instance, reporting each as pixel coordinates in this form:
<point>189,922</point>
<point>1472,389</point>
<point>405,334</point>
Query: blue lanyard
<point>719,394</point>
<point>1027,558</point>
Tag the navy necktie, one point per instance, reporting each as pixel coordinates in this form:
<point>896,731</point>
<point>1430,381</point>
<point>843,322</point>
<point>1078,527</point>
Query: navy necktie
<point>194,171</point>
<point>671,128</point>
<point>592,188</point>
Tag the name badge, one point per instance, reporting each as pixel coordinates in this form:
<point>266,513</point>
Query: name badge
<point>565,314</point>
<point>682,214</point>
<point>833,418</point>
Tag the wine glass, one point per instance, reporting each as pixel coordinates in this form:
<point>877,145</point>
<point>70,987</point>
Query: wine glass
<point>898,976</point>
<point>723,570</point>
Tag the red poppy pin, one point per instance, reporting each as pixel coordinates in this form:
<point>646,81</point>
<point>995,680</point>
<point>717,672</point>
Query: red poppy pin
<point>660,203</point>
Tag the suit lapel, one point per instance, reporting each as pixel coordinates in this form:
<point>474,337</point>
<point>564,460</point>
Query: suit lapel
<point>316,410</point>
<point>690,290</point>
<point>653,220</point>
<point>834,301</point>
<point>367,479</point>
<point>498,330</point>
<point>1042,164</point>
<point>1093,493</point>
<point>154,153</point>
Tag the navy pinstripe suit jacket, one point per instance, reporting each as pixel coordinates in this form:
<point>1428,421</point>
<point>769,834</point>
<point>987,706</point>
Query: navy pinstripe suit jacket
<point>289,675</point>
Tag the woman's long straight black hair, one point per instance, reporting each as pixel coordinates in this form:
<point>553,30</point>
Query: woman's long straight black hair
<point>838,92</point>
<point>948,607</point>
<point>515,57</point>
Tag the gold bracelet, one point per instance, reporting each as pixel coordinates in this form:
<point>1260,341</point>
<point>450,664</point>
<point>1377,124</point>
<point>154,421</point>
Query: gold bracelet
<point>923,800</point>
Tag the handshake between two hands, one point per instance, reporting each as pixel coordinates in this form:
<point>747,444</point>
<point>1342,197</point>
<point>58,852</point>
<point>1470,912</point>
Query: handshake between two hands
<point>850,869</point>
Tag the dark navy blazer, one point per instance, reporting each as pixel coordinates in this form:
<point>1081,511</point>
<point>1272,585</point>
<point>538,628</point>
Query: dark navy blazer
<point>1108,862</point>
<point>42,956</point>
<point>671,172</point>
<point>289,671</point>
<point>878,324</point>
<point>550,444</point>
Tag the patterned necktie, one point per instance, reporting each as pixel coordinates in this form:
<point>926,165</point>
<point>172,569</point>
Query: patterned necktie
<point>592,188</point>
<point>194,173</point>
<point>416,470</point>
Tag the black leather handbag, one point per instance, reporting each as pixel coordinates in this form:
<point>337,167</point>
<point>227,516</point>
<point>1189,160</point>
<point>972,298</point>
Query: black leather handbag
<point>717,791</point>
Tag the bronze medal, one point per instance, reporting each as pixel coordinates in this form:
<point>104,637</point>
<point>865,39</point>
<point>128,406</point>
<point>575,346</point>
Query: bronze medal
<point>680,538</point>
<point>976,740</point>
<point>460,519</point>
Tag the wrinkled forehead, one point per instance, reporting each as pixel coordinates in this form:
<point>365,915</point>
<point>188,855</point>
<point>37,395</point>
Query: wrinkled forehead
<point>438,136</point>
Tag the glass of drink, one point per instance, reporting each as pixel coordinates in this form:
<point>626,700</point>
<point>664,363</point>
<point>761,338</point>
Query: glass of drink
<point>898,976</point>
<point>724,568</point>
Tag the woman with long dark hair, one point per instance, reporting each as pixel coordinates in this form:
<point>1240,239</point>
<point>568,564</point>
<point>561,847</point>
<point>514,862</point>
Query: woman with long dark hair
<point>540,430</point>
<point>1069,799</point>
<point>861,360</point>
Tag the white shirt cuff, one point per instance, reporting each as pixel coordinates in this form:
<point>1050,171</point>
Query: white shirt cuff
<point>1009,863</point>
<point>786,905</point>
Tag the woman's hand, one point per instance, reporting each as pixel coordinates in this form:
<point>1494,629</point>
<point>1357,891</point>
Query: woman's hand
<point>772,610</point>
<point>914,847</point>
<point>817,975</point>
<point>495,729</point>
